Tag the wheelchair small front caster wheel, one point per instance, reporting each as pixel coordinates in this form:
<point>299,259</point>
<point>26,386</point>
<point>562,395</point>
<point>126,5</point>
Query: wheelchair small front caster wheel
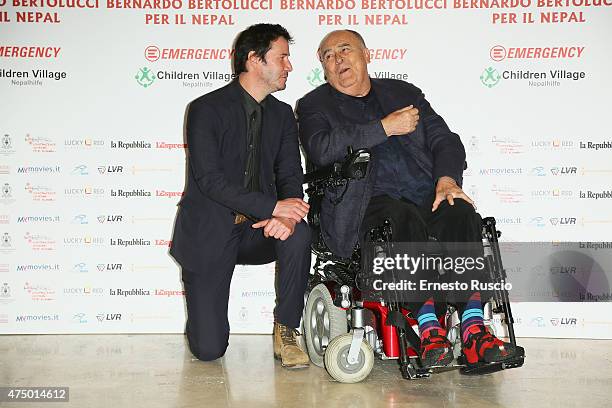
<point>337,364</point>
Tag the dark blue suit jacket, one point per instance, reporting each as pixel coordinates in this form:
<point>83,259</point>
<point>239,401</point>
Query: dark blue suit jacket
<point>216,139</point>
<point>325,133</point>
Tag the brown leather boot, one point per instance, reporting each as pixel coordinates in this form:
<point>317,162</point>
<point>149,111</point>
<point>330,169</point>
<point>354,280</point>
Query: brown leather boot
<point>286,348</point>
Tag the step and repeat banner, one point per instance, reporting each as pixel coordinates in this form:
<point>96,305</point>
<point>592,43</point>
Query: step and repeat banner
<point>92,153</point>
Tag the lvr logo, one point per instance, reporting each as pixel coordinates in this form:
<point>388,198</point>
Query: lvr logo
<point>490,77</point>
<point>145,77</point>
<point>314,77</point>
<point>563,221</point>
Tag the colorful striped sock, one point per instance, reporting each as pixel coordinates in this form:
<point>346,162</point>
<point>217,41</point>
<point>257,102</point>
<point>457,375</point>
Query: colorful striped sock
<point>427,318</point>
<point>472,316</point>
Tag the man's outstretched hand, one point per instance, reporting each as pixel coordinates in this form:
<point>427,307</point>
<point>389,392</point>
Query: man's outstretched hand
<point>447,189</point>
<point>277,227</point>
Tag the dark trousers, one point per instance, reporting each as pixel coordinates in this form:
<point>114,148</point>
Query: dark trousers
<point>207,290</point>
<point>412,223</point>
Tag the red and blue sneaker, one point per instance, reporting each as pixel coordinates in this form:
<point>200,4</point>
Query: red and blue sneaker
<point>483,347</point>
<point>436,350</point>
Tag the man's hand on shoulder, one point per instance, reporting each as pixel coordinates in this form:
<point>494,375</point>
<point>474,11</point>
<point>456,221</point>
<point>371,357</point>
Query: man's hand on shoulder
<point>293,208</point>
<point>447,189</point>
<point>277,227</point>
<point>401,121</point>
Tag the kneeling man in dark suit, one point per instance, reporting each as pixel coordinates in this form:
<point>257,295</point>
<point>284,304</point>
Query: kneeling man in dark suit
<point>243,201</point>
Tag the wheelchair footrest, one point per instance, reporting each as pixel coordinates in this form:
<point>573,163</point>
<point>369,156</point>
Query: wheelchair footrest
<point>409,372</point>
<point>481,368</point>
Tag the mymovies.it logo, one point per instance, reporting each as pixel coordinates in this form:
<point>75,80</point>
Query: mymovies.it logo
<point>501,171</point>
<point>42,267</point>
<point>37,318</point>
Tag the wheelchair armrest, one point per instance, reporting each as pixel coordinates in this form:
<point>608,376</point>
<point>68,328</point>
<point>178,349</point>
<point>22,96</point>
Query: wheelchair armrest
<point>353,167</point>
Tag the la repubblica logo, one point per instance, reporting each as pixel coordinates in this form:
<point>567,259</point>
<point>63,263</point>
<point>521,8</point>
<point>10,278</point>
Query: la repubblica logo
<point>145,77</point>
<point>315,77</point>
<point>490,77</point>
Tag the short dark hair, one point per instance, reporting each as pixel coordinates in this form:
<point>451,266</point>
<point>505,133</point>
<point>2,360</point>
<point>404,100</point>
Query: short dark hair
<point>256,38</point>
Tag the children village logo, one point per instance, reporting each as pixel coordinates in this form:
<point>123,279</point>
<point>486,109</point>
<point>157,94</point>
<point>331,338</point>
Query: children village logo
<point>490,77</point>
<point>315,77</point>
<point>145,77</point>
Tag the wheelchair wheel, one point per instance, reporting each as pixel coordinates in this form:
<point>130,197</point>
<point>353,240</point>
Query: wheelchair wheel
<point>336,360</point>
<point>323,321</point>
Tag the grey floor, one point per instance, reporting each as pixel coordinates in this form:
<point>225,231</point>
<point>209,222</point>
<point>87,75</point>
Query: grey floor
<point>114,371</point>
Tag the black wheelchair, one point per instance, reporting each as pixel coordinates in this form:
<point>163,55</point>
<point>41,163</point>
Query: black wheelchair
<point>343,331</point>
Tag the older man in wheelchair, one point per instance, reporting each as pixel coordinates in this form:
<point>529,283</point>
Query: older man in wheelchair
<point>384,169</point>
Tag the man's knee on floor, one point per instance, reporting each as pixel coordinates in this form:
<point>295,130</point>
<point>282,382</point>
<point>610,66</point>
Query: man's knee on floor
<point>208,352</point>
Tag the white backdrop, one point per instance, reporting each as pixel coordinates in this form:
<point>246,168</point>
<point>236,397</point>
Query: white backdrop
<point>92,157</point>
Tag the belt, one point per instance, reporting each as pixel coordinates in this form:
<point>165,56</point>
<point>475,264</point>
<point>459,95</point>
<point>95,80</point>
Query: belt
<point>239,219</point>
